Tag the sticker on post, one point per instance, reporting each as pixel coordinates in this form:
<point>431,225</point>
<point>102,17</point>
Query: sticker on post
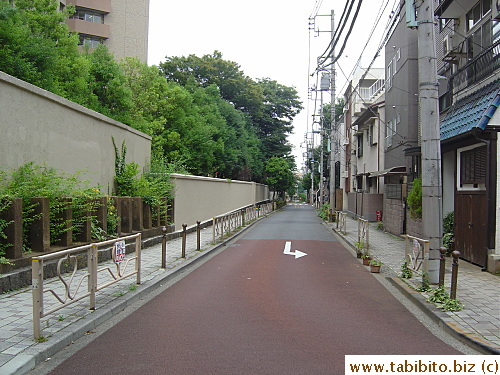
<point>119,251</point>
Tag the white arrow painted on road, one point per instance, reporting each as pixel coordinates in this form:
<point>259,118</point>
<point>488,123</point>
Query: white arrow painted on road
<point>297,253</point>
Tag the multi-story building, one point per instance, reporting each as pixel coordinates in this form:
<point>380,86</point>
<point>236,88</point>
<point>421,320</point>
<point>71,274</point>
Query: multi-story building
<point>468,49</point>
<point>364,132</point>
<point>401,144</point>
<point>122,25</point>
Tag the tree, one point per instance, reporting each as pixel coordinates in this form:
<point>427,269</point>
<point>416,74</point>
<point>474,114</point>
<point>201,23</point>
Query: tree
<point>37,46</point>
<point>233,84</point>
<point>108,85</point>
<point>274,123</point>
<point>280,176</point>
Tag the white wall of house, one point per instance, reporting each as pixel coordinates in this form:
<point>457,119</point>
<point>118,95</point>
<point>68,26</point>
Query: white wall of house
<point>448,160</point>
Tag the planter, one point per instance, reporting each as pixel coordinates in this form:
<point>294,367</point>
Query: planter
<point>375,268</point>
<point>366,261</point>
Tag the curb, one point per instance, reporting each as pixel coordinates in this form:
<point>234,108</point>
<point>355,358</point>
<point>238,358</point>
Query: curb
<point>26,361</point>
<point>430,310</point>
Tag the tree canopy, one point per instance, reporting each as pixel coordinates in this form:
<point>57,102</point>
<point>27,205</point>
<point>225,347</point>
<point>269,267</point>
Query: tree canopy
<point>203,113</point>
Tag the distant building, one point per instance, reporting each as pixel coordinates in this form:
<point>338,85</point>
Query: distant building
<point>122,25</point>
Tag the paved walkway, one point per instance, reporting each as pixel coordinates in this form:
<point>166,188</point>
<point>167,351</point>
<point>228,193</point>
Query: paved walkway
<point>478,324</point>
<point>19,352</point>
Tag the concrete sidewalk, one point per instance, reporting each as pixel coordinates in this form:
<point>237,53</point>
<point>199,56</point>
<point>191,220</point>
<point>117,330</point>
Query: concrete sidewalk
<point>19,353</point>
<point>477,325</point>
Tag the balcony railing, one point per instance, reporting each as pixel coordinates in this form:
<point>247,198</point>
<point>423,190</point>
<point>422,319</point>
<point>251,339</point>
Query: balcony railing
<point>369,93</point>
<point>477,69</point>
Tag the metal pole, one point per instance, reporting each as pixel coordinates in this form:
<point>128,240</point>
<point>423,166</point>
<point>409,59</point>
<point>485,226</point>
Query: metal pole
<point>198,235</point>
<point>333,136</point>
<point>442,266</point>
<point>37,294</point>
<point>454,274</point>
<point>184,226</point>
<point>138,257</point>
<point>164,247</point>
<point>92,269</point>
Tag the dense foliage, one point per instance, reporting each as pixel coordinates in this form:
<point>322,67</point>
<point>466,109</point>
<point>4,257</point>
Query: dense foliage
<point>202,112</point>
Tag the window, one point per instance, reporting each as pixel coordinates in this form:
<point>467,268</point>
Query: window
<point>391,130</point>
<point>473,166</point>
<point>371,136</point>
<point>89,41</point>
<point>477,13</point>
<point>388,79</point>
<point>88,15</point>
<point>360,145</point>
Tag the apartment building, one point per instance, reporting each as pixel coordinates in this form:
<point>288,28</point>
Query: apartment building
<point>122,25</point>
<point>363,135</point>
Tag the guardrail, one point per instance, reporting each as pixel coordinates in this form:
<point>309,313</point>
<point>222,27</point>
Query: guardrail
<point>341,222</point>
<point>364,235</point>
<point>69,277</point>
<point>226,223</point>
<point>417,253</point>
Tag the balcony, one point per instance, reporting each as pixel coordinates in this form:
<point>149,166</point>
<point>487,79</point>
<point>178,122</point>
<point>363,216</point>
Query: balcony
<point>476,69</point>
<point>100,5</point>
<point>89,28</point>
<point>452,8</point>
<point>364,96</point>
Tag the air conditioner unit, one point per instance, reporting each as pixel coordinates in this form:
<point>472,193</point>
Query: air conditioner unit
<point>495,11</point>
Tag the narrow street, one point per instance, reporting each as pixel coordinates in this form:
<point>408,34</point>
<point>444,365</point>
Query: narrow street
<point>284,298</point>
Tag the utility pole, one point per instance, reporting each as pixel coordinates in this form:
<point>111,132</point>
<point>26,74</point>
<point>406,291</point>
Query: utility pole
<point>432,205</point>
<point>333,127</point>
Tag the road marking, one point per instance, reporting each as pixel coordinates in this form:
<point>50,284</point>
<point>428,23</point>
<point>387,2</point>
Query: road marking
<point>296,253</point>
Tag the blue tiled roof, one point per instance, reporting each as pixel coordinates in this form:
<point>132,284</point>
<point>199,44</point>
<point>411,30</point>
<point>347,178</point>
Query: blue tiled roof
<point>473,111</point>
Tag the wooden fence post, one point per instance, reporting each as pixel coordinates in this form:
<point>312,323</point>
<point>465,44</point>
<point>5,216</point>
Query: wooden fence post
<point>66,218</point>
<point>40,227</point>
<point>137,212</point>
<point>13,214</point>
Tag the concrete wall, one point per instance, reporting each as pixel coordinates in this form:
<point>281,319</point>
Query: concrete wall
<point>202,198</point>
<point>39,126</point>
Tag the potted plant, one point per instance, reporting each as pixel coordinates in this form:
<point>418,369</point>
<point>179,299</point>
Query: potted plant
<point>359,245</point>
<point>375,265</point>
<point>366,259</point>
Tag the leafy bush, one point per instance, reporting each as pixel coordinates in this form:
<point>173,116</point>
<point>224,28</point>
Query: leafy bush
<point>324,212</point>
<point>406,272</point>
<point>31,181</point>
<point>415,199</point>
<point>448,229</point>
<point>4,204</point>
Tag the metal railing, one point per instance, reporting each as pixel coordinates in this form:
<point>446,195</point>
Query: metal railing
<point>226,223</point>
<point>364,235</point>
<point>73,282</point>
<point>341,222</point>
<point>478,68</point>
<point>417,254</point>
<point>368,93</point>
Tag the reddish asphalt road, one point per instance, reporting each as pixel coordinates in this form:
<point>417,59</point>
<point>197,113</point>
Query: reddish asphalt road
<point>254,310</point>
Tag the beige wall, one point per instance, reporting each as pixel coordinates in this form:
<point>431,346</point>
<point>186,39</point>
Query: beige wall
<point>39,126</point>
<point>201,198</point>
<point>129,23</point>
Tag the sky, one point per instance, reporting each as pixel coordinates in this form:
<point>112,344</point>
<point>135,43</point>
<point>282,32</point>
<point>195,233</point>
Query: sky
<point>268,39</point>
